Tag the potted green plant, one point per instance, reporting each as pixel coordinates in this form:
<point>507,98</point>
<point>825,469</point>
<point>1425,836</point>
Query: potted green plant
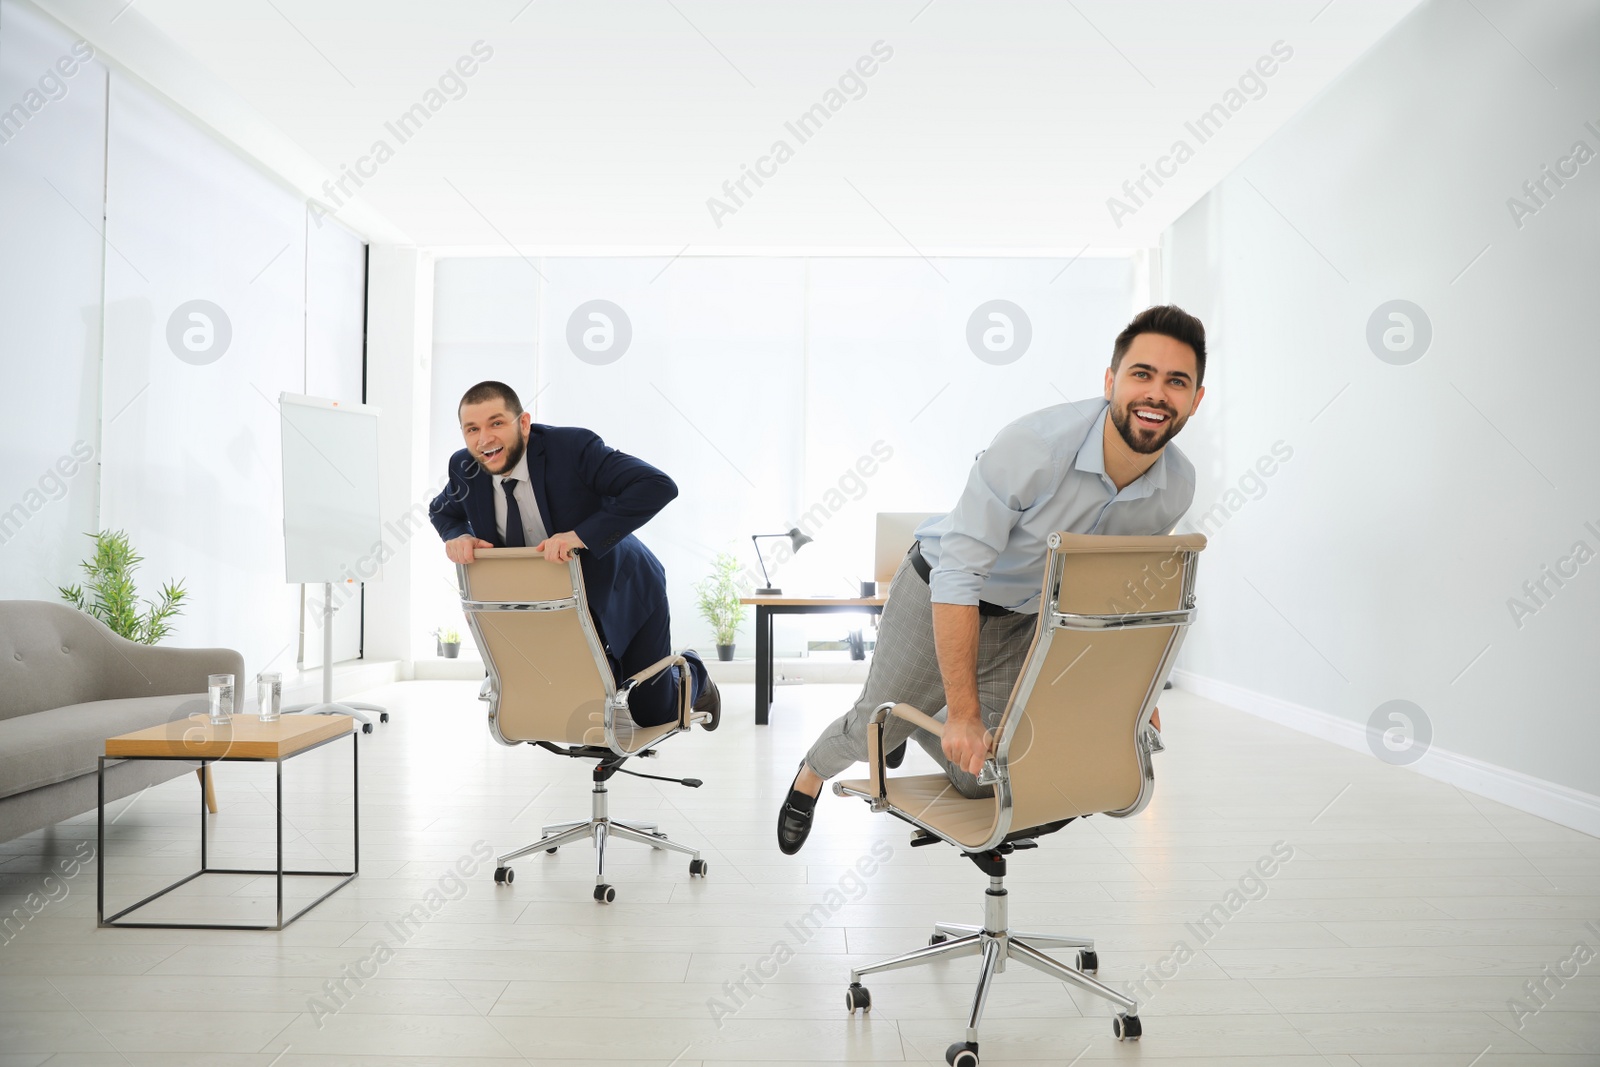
<point>447,642</point>
<point>109,595</point>
<point>719,603</point>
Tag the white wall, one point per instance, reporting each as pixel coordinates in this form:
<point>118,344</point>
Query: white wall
<point>52,172</point>
<point>400,313</point>
<point>93,348</point>
<point>760,384</point>
<point>1380,560</point>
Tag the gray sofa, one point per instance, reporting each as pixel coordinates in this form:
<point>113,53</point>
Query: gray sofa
<point>67,682</point>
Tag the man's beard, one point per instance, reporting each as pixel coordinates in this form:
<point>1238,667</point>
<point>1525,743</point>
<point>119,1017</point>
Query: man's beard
<point>1140,438</point>
<point>514,453</point>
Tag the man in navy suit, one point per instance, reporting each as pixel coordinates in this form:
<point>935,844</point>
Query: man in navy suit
<point>560,489</point>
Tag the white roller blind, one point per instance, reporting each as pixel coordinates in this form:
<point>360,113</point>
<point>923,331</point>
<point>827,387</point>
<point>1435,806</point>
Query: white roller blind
<point>52,165</point>
<point>205,326</point>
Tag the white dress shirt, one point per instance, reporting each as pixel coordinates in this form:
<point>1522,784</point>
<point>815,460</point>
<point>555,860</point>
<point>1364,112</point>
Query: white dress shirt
<point>1043,473</point>
<point>532,525</point>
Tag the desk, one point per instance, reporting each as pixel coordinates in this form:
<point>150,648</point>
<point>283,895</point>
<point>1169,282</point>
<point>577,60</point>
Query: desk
<point>768,606</point>
<point>245,738</point>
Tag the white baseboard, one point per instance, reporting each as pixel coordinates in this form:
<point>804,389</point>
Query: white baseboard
<point>1548,800</point>
<point>349,677</point>
<point>817,670</point>
<point>437,668</point>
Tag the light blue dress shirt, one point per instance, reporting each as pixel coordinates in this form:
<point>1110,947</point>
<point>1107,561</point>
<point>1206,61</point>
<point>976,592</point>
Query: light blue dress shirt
<point>1043,473</point>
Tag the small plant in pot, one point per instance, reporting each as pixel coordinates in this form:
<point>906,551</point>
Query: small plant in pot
<point>447,642</point>
<point>108,592</point>
<point>719,602</point>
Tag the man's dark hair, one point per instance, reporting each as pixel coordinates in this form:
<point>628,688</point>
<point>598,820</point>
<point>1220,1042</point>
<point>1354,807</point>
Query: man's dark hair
<point>492,391</point>
<point>1172,321</point>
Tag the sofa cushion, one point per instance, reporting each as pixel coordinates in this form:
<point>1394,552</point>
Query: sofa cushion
<point>52,655</point>
<point>62,743</point>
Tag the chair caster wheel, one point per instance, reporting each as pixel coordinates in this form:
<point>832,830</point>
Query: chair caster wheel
<point>962,1054</point>
<point>1126,1027</point>
<point>605,894</point>
<point>857,997</point>
<point>551,851</point>
<point>938,939</point>
<point>1088,961</point>
<point>383,716</point>
<point>504,876</point>
<point>698,868</point>
<point>366,727</point>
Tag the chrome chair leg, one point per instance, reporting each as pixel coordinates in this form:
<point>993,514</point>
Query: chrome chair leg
<point>600,833</point>
<point>628,833</point>
<point>558,827</point>
<point>1025,952</point>
<point>577,832</point>
<point>992,955</point>
<point>955,929</point>
<point>1055,939</point>
<point>970,945</point>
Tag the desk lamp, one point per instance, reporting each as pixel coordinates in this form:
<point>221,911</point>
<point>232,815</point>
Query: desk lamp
<point>796,538</point>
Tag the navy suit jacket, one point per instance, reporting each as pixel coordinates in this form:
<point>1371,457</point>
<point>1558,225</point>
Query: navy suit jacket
<point>598,493</point>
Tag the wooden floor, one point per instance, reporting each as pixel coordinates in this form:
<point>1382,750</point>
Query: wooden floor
<point>1401,931</point>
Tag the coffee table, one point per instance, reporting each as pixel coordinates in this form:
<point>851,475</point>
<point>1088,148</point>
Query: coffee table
<point>245,739</point>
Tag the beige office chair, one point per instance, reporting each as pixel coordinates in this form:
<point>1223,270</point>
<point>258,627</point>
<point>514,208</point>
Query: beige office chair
<point>1075,740</point>
<point>550,685</point>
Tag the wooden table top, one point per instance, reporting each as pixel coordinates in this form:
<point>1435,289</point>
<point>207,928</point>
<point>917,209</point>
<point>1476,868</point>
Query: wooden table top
<point>246,737</point>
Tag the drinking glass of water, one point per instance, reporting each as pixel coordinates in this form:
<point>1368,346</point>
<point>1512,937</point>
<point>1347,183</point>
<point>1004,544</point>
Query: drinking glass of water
<point>219,691</point>
<point>269,688</point>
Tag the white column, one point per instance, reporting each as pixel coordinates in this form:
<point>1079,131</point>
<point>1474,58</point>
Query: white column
<point>399,356</point>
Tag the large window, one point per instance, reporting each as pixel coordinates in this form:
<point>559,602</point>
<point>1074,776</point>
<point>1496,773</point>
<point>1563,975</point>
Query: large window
<point>776,391</point>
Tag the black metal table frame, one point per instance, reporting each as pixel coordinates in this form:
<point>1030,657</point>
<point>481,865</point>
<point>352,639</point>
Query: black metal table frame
<point>766,681</point>
<point>346,877</point>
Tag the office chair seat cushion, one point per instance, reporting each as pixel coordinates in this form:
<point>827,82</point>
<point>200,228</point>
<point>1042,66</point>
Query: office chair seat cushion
<point>932,800</point>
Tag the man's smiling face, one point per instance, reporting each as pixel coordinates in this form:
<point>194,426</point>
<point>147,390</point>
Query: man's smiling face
<point>1152,391</point>
<point>494,436</point>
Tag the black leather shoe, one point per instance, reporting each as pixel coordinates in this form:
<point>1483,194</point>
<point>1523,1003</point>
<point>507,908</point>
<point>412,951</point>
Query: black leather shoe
<point>896,756</point>
<point>710,702</point>
<point>794,820</point>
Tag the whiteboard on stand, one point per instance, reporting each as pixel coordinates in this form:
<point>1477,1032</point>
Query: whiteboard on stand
<point>332,529</point>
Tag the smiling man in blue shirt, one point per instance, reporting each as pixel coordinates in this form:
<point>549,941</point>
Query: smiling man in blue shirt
<point>961,609</point>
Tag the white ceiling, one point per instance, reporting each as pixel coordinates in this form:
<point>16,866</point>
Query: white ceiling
<point>605,125</point>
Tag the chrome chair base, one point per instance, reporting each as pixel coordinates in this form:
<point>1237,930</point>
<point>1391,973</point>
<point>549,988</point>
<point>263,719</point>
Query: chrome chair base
<point>601,828</point>
<point>997,943</point>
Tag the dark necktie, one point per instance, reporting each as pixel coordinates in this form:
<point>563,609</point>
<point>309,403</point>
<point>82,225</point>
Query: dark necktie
<point>515,537</point>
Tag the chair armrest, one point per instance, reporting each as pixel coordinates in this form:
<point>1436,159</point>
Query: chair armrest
<point>989,775</point>
<point>876,755</point>
<point>917,718</point>
<point>654,669</point>
<point>651,671</point>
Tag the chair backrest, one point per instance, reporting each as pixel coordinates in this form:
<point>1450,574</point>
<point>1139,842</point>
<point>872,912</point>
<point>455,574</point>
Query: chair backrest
<point>550,680</point>
<point>896,530</point>
<point>1112,617</point>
